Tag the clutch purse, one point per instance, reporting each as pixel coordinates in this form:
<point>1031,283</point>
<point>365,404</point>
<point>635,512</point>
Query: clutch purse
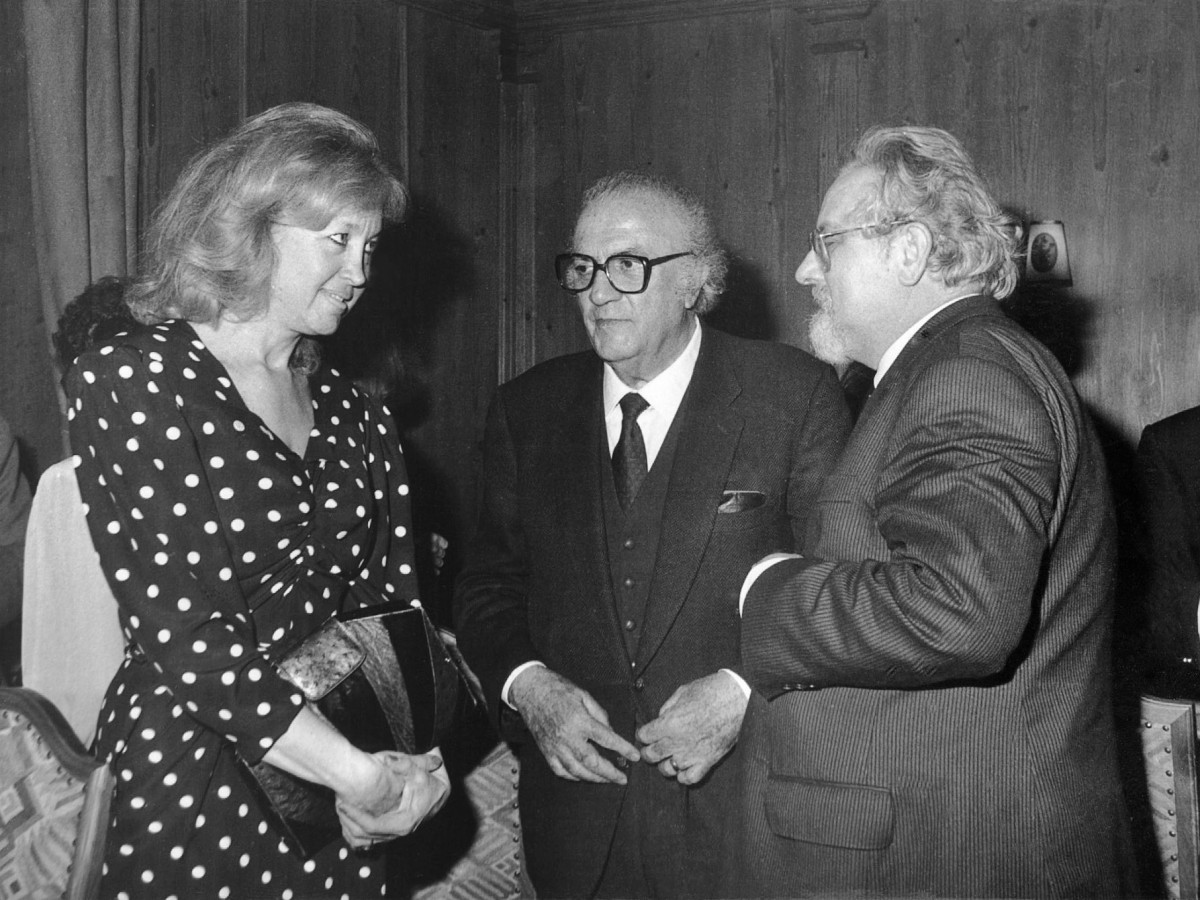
<point>387,680</point>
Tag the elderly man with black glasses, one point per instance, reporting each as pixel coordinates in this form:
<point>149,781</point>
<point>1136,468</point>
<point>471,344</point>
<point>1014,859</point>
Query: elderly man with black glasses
<point>626,492</point>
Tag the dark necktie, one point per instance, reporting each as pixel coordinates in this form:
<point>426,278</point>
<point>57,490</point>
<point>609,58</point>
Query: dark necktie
<point>629,456</point>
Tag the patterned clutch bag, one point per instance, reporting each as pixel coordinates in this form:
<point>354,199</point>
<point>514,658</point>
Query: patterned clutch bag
<point>384,677</point>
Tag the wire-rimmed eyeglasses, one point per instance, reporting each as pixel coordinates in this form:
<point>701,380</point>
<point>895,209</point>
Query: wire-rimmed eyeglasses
<point>817,238</point>
<point>627,273</point>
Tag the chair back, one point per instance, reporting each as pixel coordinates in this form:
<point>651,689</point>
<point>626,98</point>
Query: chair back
<point>54,803</point>
<point>71,639</point>
<point>1169,752</point>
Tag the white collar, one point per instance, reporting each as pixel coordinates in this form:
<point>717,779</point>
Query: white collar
<point>664,392</point>
<point>890,354</point>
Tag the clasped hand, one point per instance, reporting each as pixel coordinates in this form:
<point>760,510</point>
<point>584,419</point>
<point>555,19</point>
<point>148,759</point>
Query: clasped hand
<point>407,791</point>
<point>695,728</point>
<point>568,725</point>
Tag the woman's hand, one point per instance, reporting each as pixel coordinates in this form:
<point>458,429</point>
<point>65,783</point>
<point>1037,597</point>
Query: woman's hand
<point>425,787</point>
<point>438,546</point>
<point>381,790</point>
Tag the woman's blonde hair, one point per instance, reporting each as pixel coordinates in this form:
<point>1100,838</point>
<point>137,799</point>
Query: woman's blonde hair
<point>209,249</point>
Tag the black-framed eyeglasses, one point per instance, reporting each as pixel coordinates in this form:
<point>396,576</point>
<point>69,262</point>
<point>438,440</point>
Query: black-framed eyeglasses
<point>817,238</point>
<point>627,273</point>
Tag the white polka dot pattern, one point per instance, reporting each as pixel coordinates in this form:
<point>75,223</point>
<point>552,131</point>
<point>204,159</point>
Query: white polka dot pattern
<point>241,553</point>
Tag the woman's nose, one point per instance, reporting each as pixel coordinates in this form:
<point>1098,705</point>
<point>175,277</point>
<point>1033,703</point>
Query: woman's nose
<point>356,267</point>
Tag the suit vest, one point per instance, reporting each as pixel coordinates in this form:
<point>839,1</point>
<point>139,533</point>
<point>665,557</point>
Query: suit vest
<point>633,535</point>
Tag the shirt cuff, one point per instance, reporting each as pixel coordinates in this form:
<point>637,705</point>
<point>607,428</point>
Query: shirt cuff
<point>757,569</point>
<point>741,682</point>
<point>508,682</point>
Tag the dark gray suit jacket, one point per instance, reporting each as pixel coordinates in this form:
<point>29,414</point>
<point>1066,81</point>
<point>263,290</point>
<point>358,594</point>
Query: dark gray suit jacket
<point>938,666</point>
<point>536,584</point>
<point>1168,468</point>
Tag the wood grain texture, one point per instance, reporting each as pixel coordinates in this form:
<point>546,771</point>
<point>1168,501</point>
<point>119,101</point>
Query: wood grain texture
<point>501,112</point>
<point>193,77</point>
<point>455,285</point>
<point>1076,111</point>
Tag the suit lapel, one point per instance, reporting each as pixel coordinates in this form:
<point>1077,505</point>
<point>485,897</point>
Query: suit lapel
<point>708,438</point>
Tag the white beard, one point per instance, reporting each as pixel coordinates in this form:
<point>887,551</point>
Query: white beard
<point>827,339</point>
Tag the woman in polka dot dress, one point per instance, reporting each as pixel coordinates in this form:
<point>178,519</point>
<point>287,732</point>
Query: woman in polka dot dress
<point>238,494</point>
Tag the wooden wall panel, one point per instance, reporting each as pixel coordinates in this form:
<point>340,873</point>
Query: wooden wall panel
<point>1083,112</point>
<point>28,393</point>
<point>688,101</point>
<point>193,85</point>
<point>455,279</point>
<point>501,113</point>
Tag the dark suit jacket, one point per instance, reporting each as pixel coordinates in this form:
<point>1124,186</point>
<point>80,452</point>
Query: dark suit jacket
<point>1168,469</point>
<point>938,667</point>
<point>536,584</point>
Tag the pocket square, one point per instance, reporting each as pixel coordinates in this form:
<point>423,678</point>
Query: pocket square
<point>741,501</point>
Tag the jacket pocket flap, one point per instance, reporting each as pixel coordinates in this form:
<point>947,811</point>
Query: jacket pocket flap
<point>855,816</point>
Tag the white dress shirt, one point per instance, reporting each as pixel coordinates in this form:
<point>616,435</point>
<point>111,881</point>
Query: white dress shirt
<point>664,392</point>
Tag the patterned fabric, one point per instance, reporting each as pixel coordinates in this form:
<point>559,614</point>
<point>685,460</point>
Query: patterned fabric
<point>491,870</point>
<point>223,547</point>
<point>1169,752</point>
<point>40,806</point>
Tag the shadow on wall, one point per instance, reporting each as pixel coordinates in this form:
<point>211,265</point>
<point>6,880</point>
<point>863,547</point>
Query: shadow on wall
<point>744,309</point>
<point>1130,648</point>
<point>1062,320</point>
<point>419,270</point>
<point>1056,316</point>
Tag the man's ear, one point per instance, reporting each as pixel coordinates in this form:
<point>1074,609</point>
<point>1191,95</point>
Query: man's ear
<point>696,281</point>
<point>911,246</point>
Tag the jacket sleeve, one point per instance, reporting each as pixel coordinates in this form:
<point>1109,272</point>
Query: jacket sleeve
<point>1168,541</point>
<point>963,501</point>
<point>491,596</point>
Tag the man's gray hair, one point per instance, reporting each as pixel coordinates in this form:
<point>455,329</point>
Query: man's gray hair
<point>701,234</point>
<point>927,177</point>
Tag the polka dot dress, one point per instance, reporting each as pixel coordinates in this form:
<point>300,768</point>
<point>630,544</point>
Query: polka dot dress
<point>223,547</point>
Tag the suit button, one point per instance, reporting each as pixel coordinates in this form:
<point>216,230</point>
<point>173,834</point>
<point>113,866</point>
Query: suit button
<point>630,625</point>
<point>628,582</point>
<point>640,684</point>
<point>628,543</point>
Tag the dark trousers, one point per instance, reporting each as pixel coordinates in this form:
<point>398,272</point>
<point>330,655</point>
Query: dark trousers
<point>653,853</point>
